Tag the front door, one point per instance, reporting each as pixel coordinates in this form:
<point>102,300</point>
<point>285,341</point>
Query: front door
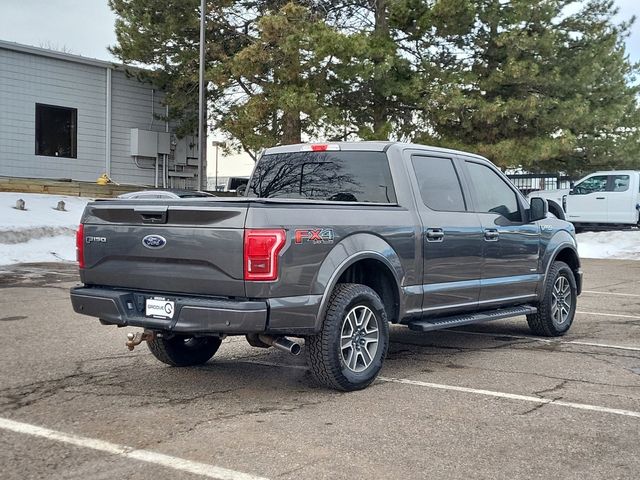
<point>587,201</point>
<point>511,244</point>
<point>451,237</point>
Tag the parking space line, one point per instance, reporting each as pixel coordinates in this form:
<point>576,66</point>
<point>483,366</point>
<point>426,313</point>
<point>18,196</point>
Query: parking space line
<point>513,396</point>
<point>619,315</point>
<point>612,293</point>
<point>602,345</point>
<point>547,340</point>
<point>175,463</point>
<point>490,393</point>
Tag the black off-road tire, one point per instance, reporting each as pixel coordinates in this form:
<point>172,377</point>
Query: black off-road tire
<point>184,351</point>
<point>324,352</point>
<point>543,323</point>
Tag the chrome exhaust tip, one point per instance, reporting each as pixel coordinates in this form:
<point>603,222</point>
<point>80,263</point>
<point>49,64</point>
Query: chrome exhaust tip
<point>281,343</point>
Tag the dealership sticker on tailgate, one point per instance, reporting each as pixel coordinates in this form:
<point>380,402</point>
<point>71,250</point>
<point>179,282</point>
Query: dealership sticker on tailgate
<point>159,307</point>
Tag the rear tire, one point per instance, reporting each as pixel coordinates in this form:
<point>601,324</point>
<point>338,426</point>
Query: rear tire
<point>558,306</point>
<point>184,351</point>
<point>348,353</point>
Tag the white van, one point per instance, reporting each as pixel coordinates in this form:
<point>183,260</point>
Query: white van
<point>601,198</point>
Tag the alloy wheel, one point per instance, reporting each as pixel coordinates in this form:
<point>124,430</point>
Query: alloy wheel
<point>561,300</point>
<point>359,338</point>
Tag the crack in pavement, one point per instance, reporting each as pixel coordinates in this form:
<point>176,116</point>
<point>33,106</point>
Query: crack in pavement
<point>111,382</point>
<point>538,407</point>
<point>540,375</point>
<point>555,388</point>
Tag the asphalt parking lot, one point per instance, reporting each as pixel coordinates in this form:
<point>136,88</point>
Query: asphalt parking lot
<point>488,401</point>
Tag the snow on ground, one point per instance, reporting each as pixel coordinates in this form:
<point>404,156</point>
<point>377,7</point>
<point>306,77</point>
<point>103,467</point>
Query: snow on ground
<point>623,245</point>
<point>40,233</point>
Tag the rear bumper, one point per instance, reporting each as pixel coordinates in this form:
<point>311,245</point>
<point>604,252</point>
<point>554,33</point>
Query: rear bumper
<point>203,315</point>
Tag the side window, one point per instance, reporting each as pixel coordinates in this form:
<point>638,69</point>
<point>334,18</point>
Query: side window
<point>597,183</point>
<point>493,193</point>
<point>620,183</point>
<point>439,184</point>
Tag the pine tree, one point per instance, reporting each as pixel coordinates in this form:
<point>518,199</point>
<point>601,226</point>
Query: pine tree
<point>374,80</point>
<point>284,74</point>
<point>163,37</point>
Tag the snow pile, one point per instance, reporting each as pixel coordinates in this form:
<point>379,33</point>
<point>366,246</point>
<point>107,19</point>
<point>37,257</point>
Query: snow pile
<point>40,233</point>
<point>623,245</point>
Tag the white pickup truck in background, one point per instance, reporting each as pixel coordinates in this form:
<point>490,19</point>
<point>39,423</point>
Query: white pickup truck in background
<point>600,199</point>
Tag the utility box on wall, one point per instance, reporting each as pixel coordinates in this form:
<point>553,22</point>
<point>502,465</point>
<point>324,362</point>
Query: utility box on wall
<point>144,143</point>
<point>186,150</point>
<point>164,143</point>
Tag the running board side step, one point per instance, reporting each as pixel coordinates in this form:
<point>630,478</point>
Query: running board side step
<point>469,318</point>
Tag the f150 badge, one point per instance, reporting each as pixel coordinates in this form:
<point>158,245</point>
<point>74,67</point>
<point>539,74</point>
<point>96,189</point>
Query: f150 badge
<point>314,235</point>
<point>95,239</point>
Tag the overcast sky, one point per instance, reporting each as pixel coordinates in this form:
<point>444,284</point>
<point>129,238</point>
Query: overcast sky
<point>85,27</point>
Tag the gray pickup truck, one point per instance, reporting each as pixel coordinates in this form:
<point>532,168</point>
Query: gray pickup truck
<point>331,243</point>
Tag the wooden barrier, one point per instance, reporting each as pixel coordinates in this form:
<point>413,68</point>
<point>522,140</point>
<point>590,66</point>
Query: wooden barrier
<point>65,187</point>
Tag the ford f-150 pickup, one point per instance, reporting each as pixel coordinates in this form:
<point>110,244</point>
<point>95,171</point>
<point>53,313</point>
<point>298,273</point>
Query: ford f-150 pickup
<point>331,243</point>
<point>602,199</point>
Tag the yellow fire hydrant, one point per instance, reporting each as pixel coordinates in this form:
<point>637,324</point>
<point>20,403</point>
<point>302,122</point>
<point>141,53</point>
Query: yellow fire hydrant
<point>103,179</point>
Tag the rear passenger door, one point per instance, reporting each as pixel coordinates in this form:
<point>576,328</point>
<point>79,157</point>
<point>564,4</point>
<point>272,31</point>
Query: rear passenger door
<point>451,236</point>
<point>511,244</point>
<point>621,206</point>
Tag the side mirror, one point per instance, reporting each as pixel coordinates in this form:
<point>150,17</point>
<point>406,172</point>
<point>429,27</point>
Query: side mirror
<point>539,207</point>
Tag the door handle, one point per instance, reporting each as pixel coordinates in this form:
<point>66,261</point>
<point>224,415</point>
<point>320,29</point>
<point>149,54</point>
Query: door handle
<point>491,235</point>
<point>600,198</point>
<point>435,235</point>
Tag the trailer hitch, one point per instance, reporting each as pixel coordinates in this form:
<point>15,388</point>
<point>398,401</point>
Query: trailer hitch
<point>137,338</point>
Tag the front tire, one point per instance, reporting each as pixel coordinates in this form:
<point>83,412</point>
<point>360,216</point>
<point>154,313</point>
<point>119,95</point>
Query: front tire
<point>182,350</point>
<point>348,353</point>
<point>558,306</point>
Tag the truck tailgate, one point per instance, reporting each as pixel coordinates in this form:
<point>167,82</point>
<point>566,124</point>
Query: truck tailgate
<point>178,246</point>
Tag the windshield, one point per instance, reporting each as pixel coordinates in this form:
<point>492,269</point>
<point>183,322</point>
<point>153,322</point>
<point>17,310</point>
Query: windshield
<point>336,176</point>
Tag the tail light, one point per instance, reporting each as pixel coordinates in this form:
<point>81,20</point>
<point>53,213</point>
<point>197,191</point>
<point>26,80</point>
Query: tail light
<point>80,246</point>
<point>261,249</point>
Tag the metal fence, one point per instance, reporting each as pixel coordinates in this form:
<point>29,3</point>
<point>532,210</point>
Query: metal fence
<point>530,182</point>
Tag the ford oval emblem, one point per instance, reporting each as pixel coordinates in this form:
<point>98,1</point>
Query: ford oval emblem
<point>154,241</point>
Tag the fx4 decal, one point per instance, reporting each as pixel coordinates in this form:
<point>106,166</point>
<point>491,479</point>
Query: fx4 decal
<point>314,235</point>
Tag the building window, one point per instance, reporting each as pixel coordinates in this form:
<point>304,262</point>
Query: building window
<point>56,131</point>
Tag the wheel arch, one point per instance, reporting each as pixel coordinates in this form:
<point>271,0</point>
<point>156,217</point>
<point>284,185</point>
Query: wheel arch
<point>567,253</point>
<point>365,259</point>
<point>556,210</point>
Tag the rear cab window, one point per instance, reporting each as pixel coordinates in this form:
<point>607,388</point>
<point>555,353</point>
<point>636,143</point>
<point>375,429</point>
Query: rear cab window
<point>620,183</point>
<point>341,176</point>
